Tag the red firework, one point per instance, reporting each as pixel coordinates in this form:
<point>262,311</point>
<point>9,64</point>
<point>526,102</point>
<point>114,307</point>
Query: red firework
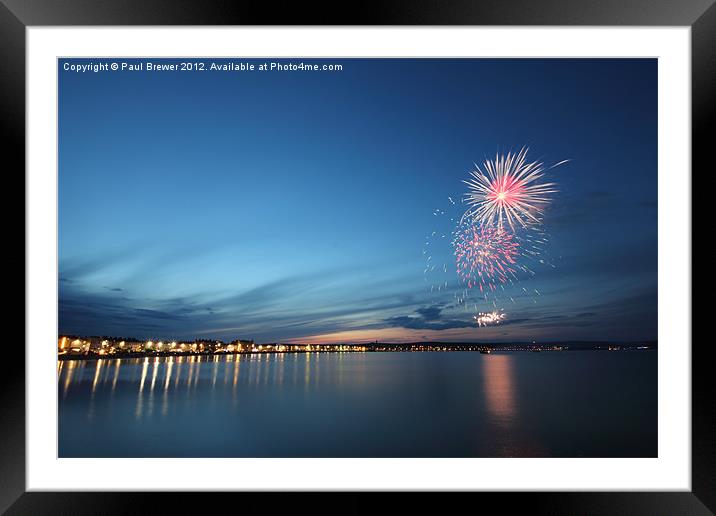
<point>485,255</point>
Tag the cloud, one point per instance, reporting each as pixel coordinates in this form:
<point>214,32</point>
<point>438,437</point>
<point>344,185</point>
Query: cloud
<point>289,307</point>
<point>508,321</point>
<point>430,313</point>
<point>349,300</point>
<point>427,318</point>
<point>157,314</point>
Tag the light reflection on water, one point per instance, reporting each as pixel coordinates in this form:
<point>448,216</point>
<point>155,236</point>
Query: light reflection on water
<point>499,379</point>
<point>360,404</point>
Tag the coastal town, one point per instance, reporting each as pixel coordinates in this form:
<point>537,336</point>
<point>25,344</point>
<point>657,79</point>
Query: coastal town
<point>75,347</point>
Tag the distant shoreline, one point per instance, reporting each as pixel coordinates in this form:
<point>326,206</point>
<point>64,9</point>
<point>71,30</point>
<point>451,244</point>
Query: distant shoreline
<point>372,348</point>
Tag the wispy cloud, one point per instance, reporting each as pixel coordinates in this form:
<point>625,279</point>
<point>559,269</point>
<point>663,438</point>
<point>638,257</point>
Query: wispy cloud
<point>290,307</point>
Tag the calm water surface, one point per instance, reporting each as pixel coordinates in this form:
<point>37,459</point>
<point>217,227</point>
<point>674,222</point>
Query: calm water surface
<point>550,404</point>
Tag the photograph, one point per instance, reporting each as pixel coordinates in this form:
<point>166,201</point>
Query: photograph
<point>357,257</point>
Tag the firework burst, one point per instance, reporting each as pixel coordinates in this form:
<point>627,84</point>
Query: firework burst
<point>508,191</point>
<point>485,256</point>
<point>489,318</point>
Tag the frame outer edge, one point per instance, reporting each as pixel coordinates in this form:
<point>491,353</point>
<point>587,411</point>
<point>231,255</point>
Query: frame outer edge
<point>12,377</point>
<point>370,12</point>
<point>703,114</point>
<point>12,102</point>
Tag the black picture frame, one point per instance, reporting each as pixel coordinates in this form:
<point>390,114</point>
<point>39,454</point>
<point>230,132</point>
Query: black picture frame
<point>17,15</point>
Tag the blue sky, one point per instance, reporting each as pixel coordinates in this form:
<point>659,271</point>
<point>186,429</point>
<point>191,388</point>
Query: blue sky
<point>294,205</point>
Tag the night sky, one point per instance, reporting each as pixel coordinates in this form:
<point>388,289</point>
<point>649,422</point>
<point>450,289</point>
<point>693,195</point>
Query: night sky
<point>294,206</point>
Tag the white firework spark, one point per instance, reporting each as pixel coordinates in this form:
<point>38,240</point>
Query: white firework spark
<point>508,191</point>
<point>489,318</point>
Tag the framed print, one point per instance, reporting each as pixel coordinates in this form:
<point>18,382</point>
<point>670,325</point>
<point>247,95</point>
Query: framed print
<point>424,252</point>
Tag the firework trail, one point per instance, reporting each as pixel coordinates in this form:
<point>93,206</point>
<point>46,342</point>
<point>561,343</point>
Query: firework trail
<point>508,191</point>
<point>448,261</point>
<point>485,256</point>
